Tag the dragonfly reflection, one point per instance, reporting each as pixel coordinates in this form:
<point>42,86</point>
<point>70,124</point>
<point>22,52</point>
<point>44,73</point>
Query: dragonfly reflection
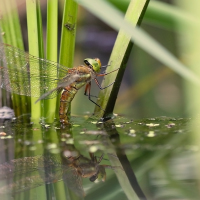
<point>39,170</point>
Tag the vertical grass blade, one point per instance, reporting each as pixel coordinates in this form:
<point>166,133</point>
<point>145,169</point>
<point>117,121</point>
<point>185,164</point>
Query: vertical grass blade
<point>10,27</point>
<point>68,34</point>
<point>35,36</point>
<point>51,52</point>
<point>119,58</point>
<point>140,38</point>
<point>189,50</point>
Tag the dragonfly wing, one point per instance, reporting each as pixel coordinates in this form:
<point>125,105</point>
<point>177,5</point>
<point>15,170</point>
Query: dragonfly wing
<point>18,166</point>
<point>50,94</point>
<point>70,78</point>
<point>17,185</point>
<point>27,165</point>
<point>24,74</point>
<point>47,169</point>
<point>55,169</point>
<point>74,182</point>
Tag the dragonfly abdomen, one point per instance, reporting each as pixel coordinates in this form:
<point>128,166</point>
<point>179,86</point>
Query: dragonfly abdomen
<point>68,93</point>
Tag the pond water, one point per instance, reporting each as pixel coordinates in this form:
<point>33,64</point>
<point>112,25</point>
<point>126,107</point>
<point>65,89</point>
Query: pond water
<point>150,159</point>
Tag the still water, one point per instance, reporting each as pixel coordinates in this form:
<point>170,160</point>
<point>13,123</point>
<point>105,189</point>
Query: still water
<point>120,159</point>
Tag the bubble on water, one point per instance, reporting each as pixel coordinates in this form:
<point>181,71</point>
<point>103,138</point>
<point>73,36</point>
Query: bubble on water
<point>32,148</point>
<point>93,149</point>
<point>47,126</point>
<point>68,153</point>
<point>27,142</point>
<point>119,125</point>
<point>151,134</point>
<point>70,141</point>
<point>55,150</point>
<point>132,131</point>
<point>52,146</point>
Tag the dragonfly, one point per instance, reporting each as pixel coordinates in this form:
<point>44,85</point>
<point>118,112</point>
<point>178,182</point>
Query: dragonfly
<point>16,65</point>
<point>46,169</point>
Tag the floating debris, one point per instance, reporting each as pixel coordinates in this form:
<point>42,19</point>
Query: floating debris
<point>95,132</point>
<point>170,125</point>
<point>119,125</point>
<point>2,134</point>
<point>89,142</point>
<point>152,125</point>
<point>6,137</point>
<point>76,125</point>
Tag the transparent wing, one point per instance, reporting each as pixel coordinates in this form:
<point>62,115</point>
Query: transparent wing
<point>67,80</point>
<point>37,171</point>
<point>18,166</point>
<point>24,165</point>
<point>19,73</point>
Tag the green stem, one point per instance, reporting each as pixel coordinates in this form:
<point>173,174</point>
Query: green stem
<point>10,26</point>
<point>119,58</point>
<point>35,36</point>
<point>52,51</point>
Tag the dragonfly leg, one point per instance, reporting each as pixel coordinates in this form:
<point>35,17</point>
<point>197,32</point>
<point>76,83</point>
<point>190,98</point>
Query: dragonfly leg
<point>92,156</point>
<point>85,93</point>
<point>97,82</point>
<point>101,157</point>
<point>105,66</point>
<point>104,74</point>
<point>88,87</point>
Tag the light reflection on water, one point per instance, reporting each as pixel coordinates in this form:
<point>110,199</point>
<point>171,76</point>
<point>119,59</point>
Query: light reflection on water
<point>155,148</point>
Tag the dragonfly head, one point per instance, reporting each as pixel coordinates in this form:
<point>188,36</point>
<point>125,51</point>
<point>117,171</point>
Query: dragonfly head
<point>100,175</point>
<point>93,63</point>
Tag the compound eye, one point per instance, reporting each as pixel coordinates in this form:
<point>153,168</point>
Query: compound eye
<point>87,63</point>
<point>93,178</point>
